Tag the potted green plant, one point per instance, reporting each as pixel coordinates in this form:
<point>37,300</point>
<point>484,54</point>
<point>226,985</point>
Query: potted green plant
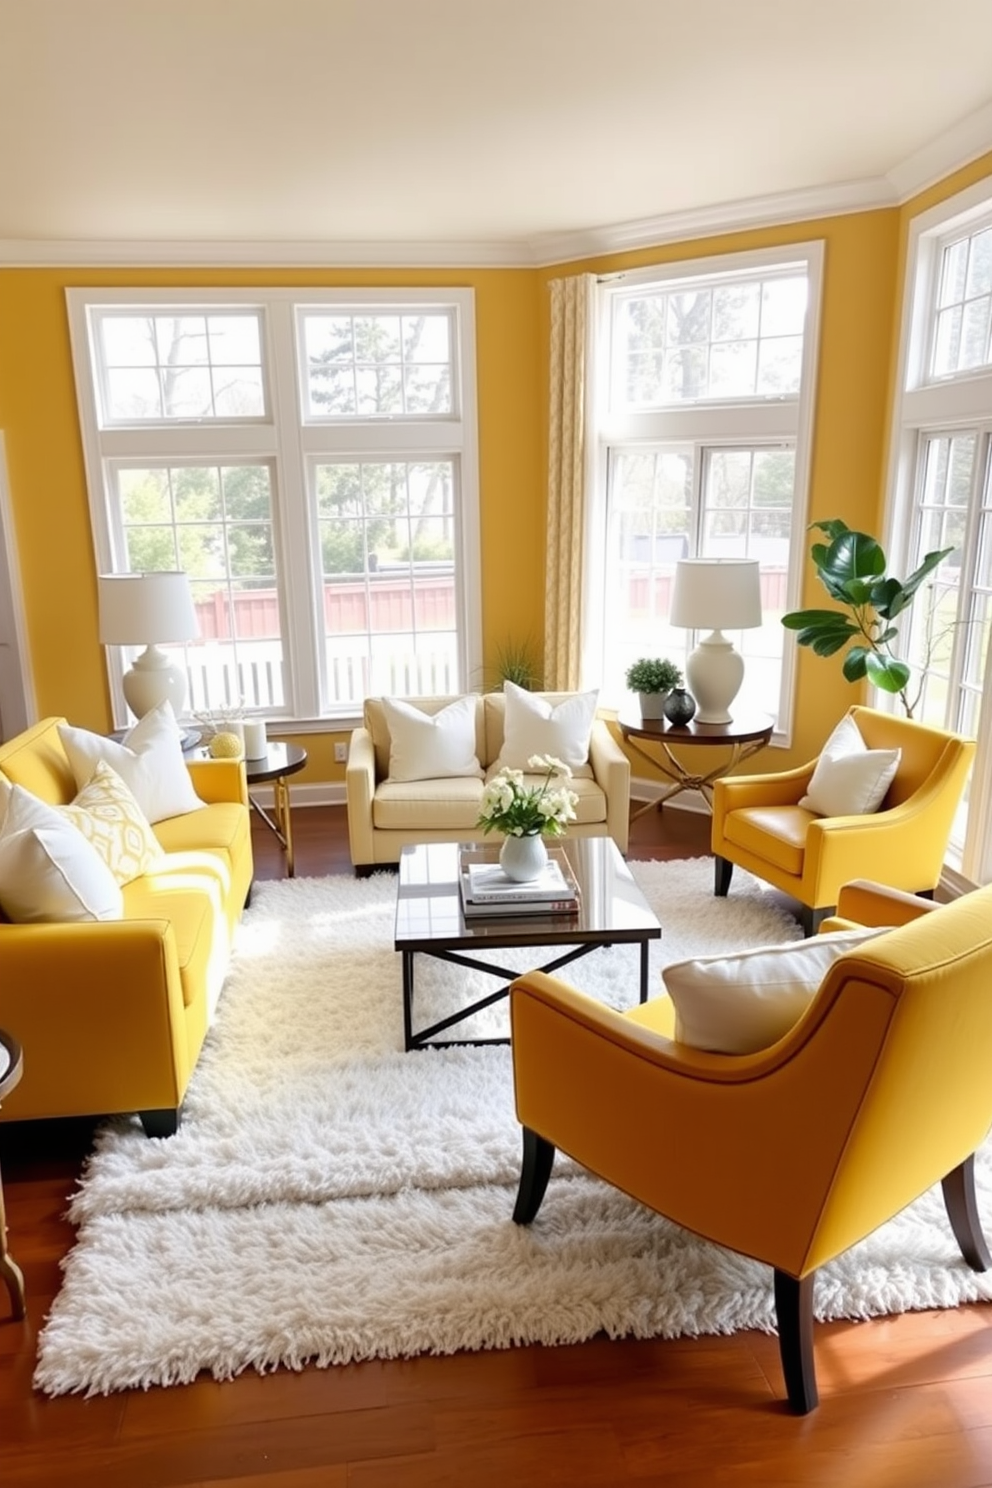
<point>851,566</point>
<point>653,678</point>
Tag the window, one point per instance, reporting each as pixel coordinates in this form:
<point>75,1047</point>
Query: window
<point>703,399</point>
<point>309,460</point>
<point>941,491</point>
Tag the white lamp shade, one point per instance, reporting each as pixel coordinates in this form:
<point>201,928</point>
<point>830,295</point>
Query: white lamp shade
<point>149,610</point>
<point>717,594</point>
<point>152,609</point>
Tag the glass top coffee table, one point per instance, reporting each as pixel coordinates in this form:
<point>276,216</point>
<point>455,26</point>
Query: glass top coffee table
<point>429,921</point>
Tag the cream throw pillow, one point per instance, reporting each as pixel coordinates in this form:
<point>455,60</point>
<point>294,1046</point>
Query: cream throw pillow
<point>426,746</point>
<point>532,725</point>
<point>737,1004</point>
<point>149,760</point>
<point>109,817</point>
<point>850,779</point>
<point>48,871</point>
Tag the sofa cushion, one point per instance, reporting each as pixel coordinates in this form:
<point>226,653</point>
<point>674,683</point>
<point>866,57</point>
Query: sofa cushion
<point>775,834</point>
<point>110,819</point>
<point>739,1004</point>
<point>431,746</point>
<point>590,798</point>
<point>48,871</point>
<point>536,724</point>
<point>428,805</point>
<point>850,779</point>
<point>149,760</point>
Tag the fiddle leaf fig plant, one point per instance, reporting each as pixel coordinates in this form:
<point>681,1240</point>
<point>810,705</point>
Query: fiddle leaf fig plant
<point>851,566</point>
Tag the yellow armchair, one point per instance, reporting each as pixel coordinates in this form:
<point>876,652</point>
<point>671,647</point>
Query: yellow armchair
<point>792,1154</point>
<point>759,824</point>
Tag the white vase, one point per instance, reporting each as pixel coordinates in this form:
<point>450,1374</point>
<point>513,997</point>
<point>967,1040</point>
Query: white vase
<point>653,703</point>
<point>523,858</point>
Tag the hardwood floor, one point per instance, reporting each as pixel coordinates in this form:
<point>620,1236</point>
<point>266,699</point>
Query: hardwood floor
<point>906,1402</point>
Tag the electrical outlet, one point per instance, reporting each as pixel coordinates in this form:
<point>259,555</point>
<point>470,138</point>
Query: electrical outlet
<point>341,753</point>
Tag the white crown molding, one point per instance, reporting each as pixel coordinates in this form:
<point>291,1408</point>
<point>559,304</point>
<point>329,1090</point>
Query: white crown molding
<point>702,222</point>
<point>956,147</point>
<point>247,253</point>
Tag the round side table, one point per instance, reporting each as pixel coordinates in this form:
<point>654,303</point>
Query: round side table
<point>744,736</point>
<point>11,1069</point>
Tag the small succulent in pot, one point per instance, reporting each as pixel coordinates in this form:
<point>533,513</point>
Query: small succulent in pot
<point>653,678</point>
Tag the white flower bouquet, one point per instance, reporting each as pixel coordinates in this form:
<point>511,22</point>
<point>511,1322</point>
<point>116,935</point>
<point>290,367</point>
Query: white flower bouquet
<point>511,806</point>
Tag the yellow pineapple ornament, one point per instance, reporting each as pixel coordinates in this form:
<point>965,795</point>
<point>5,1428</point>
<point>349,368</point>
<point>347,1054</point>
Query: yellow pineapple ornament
<point>226,746</point>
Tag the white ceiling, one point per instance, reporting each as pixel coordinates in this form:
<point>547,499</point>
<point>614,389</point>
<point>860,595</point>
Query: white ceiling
<point>469,130</point>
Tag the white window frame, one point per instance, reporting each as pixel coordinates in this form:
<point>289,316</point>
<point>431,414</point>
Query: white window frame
<point>760,421</point>
<point>293,445</point>
<point>927,405</point>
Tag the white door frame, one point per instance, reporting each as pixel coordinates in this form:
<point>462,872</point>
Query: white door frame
<point>18,708</point>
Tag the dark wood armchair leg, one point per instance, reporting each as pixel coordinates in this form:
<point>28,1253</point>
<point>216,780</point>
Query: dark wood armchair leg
<point>164,1123</point>
<point>962,1211</point>
<point>723,870</point>
<point>794,1311</point>
<point>812,919</point>
<point>538,1160</point>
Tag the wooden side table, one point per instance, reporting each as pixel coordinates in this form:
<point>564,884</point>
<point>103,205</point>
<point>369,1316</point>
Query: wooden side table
<point>11,1069</point>
<point>277,764</point>
<point>744,736</point>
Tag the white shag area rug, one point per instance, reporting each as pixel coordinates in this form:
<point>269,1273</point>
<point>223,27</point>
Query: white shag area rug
<point>330,1198</point>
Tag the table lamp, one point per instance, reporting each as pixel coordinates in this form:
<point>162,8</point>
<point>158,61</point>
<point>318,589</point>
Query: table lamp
<point>716,594</point>
<point>150,610</point>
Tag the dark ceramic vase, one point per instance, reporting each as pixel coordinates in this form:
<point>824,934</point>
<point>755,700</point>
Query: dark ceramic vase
<point>679,706</point>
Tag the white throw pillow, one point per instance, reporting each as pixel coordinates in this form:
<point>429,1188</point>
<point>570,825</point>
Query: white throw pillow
<point>737,1004</point>
<point>850,779</point>
<point>48,871</point>
<point>109,817</point>
<point>532,725</point>
<point>431,746</point>
<point>149,760</point>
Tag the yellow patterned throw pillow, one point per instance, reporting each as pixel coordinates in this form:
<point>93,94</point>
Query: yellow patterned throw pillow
<point>111,820</point>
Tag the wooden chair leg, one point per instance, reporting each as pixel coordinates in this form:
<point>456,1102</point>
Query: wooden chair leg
<point>723,870</point>
<point>812,919</point>
<point>164,1123</point>
<point>535,1171</point>
<point>794,1312</point>
<point>962,1211</point>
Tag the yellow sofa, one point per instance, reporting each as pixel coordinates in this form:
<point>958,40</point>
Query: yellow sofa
<point>112,1014</point>
<point>385,816</point>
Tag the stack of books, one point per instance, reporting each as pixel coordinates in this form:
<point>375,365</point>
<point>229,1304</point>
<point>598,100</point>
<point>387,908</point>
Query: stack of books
<point>487,891</point>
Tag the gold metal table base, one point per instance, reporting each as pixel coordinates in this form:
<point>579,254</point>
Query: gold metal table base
<point>683,779</point>
<point>280,821</point>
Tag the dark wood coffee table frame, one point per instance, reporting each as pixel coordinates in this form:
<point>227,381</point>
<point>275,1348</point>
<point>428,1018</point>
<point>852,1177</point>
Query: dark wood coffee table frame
<point>581,933</point>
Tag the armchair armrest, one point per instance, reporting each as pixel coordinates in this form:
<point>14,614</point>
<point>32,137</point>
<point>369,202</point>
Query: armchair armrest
<point>359,779</point>
<point>735,792</point>
<point>98,981</point>
<point>864,902</point>
<point>219,780</point>
<point>611,769</point>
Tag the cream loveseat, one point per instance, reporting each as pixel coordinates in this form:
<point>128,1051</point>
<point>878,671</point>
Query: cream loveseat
<point>386,815</point>
<point>108,980</point>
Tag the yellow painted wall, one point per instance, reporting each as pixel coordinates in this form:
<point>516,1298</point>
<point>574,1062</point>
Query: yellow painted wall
<point>850,439</point>
<point>862,275</point>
